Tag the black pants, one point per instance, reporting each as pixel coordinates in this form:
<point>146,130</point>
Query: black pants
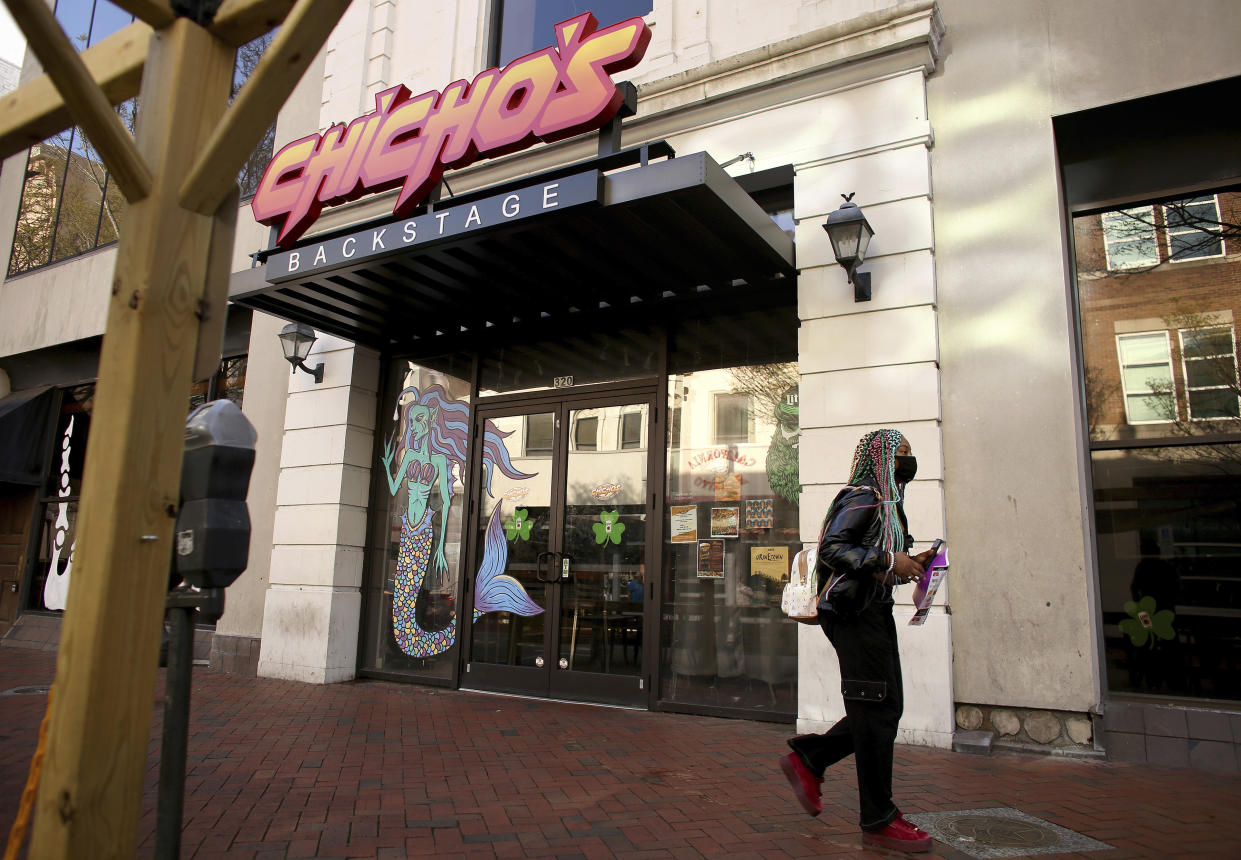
<point>870,678</point>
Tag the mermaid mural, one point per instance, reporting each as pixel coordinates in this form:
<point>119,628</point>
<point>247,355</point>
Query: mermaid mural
<point>433,435</point>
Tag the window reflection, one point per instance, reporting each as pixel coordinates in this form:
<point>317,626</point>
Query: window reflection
<point>524,26</point>
<point>1159,288</point>
<point>731,530</point>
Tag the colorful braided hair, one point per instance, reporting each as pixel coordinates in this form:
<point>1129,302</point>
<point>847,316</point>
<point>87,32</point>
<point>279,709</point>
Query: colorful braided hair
<point>874,463</point>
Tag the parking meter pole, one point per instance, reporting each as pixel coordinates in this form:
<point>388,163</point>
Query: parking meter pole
<point>183,604</point>
<point>176,732</point>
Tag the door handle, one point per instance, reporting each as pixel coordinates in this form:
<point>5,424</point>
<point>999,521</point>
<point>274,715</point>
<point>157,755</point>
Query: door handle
<point>543,572</point>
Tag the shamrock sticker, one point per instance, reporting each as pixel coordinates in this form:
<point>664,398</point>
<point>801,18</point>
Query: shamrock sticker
<point>608,528</point>
<point>1143,621</point>
<point>518,526</point>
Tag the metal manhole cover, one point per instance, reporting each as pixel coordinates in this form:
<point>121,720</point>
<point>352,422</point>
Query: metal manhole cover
<point>36,690</point>
<point>1002,832</point>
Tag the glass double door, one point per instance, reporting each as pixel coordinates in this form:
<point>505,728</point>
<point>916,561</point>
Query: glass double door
<point>560,550</point>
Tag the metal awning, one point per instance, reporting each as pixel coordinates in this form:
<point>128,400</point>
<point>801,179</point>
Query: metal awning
<point>654,234</point>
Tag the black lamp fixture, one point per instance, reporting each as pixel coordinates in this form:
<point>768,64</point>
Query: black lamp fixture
<point>296,340</point>
<point>851,234</point>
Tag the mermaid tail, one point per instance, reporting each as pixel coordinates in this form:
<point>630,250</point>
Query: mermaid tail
<point>412,558</point>
<point>494,590</point>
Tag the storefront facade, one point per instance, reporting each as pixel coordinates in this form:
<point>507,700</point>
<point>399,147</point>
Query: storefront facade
<point>581,406</point>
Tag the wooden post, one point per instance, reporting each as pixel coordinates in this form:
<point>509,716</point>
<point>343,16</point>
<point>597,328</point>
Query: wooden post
<point>91,789</point>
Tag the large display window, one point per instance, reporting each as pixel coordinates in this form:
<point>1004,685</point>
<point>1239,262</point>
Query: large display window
<point>1159,289</point>
<point>732,526</point>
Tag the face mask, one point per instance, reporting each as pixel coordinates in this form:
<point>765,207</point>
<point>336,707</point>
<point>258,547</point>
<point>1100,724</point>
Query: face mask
<point>906,468</point>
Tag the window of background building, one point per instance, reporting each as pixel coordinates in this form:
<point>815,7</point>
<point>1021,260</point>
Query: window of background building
<point>1146,368</point>
<point>1210,367</point>
<point>1159,360</point>
<point>586,433</point>
<point>1129,238</point>
<point>631,427</point>
<point>539,435</point>
<point>525,26</point>
<point>1193,228</point>
<point>70,204</point>
<point>732,418</point>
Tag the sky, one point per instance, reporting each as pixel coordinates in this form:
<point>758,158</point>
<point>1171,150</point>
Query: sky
<point>12,43</point>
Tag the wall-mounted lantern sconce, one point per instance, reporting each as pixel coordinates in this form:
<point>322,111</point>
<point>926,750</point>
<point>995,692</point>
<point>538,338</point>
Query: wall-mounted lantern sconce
<point>296,340</point>
<point>850,234</point>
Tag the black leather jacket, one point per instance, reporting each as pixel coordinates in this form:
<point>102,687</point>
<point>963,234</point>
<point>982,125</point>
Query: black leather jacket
<point>848,545</point>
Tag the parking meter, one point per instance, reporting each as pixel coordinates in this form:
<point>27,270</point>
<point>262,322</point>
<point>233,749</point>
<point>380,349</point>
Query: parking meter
<point>212,535</point>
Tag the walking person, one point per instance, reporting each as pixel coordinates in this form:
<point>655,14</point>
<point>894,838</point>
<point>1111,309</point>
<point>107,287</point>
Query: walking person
<point>864,553</point>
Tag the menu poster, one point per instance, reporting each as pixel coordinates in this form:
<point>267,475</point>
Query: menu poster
<point>683,524</point>
<point>724,522</point>
<point>759,514</point>
<point>728,488</point>
<point>769,561</point>
<point>710,559</point>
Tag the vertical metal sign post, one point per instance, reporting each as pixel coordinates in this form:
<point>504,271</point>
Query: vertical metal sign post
<point>176,174</point>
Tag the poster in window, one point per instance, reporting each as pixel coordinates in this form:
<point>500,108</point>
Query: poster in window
<point>683,525</point>
<point>759,513</point>
<point>728,488</point>
<point>724,522</point>
<point>710,559</point>
<point>770,561</point>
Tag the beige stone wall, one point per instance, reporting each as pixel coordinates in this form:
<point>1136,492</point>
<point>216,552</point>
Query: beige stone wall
<point>1025,631</point>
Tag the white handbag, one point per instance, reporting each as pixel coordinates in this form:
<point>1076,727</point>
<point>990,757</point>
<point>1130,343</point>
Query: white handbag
<point>800,598</point>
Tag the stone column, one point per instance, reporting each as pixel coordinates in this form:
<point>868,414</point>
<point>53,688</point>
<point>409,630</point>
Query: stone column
<point>312,610</point>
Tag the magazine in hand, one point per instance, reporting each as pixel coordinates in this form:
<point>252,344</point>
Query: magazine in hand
<point>924,593</point>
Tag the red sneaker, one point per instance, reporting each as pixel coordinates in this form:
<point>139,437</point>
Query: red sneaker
<point>805,784</point>
<point>900,835</point>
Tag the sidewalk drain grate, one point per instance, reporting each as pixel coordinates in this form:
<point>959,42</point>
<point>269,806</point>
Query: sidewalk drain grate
<point>36,690</point>
<point>1002,832</point>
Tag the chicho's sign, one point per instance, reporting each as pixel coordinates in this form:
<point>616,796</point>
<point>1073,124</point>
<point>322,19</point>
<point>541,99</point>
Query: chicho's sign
<point>408,141</point>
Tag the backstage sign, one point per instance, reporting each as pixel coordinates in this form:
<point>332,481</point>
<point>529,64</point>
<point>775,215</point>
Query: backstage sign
<point>453,221</point>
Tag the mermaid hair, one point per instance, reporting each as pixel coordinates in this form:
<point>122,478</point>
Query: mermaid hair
<point>449,433</point>
<point>874,463</point>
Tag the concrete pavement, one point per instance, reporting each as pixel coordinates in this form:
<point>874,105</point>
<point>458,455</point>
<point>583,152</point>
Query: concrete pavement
<point>373,769</point>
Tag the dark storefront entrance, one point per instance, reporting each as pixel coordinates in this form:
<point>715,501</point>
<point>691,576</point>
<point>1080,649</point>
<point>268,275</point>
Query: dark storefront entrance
<point>573,529</point>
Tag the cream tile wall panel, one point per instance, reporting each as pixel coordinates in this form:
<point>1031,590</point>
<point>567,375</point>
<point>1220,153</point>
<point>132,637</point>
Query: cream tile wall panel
<point>832,449</point>
<point>359,447</point>
<point>310,524</point>
<point>343,625</point>
<point>868,339</point>
<point>316,446</point>
<point>815,126</point>
<point>316,407</point>
<point>293,646</point>
<point>322,566</point>
<point>361,413</point>
<point>313,485</point>
<point>899,227</point>
<point>309,634</point>
<point>875,396</point>
<point>881,177</point>
<point>897,280</point>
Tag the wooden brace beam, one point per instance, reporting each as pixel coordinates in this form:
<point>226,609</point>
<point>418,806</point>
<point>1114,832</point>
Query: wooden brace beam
<point>157,13</point>
<point>260,99</point>
<point>86,101</point>
<point>35,111</point>
<point>239,21</point>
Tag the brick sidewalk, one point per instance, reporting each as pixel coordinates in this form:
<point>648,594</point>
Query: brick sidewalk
<point>372,769</point>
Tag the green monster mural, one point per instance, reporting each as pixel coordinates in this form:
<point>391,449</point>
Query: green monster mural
<point>782,472</point>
